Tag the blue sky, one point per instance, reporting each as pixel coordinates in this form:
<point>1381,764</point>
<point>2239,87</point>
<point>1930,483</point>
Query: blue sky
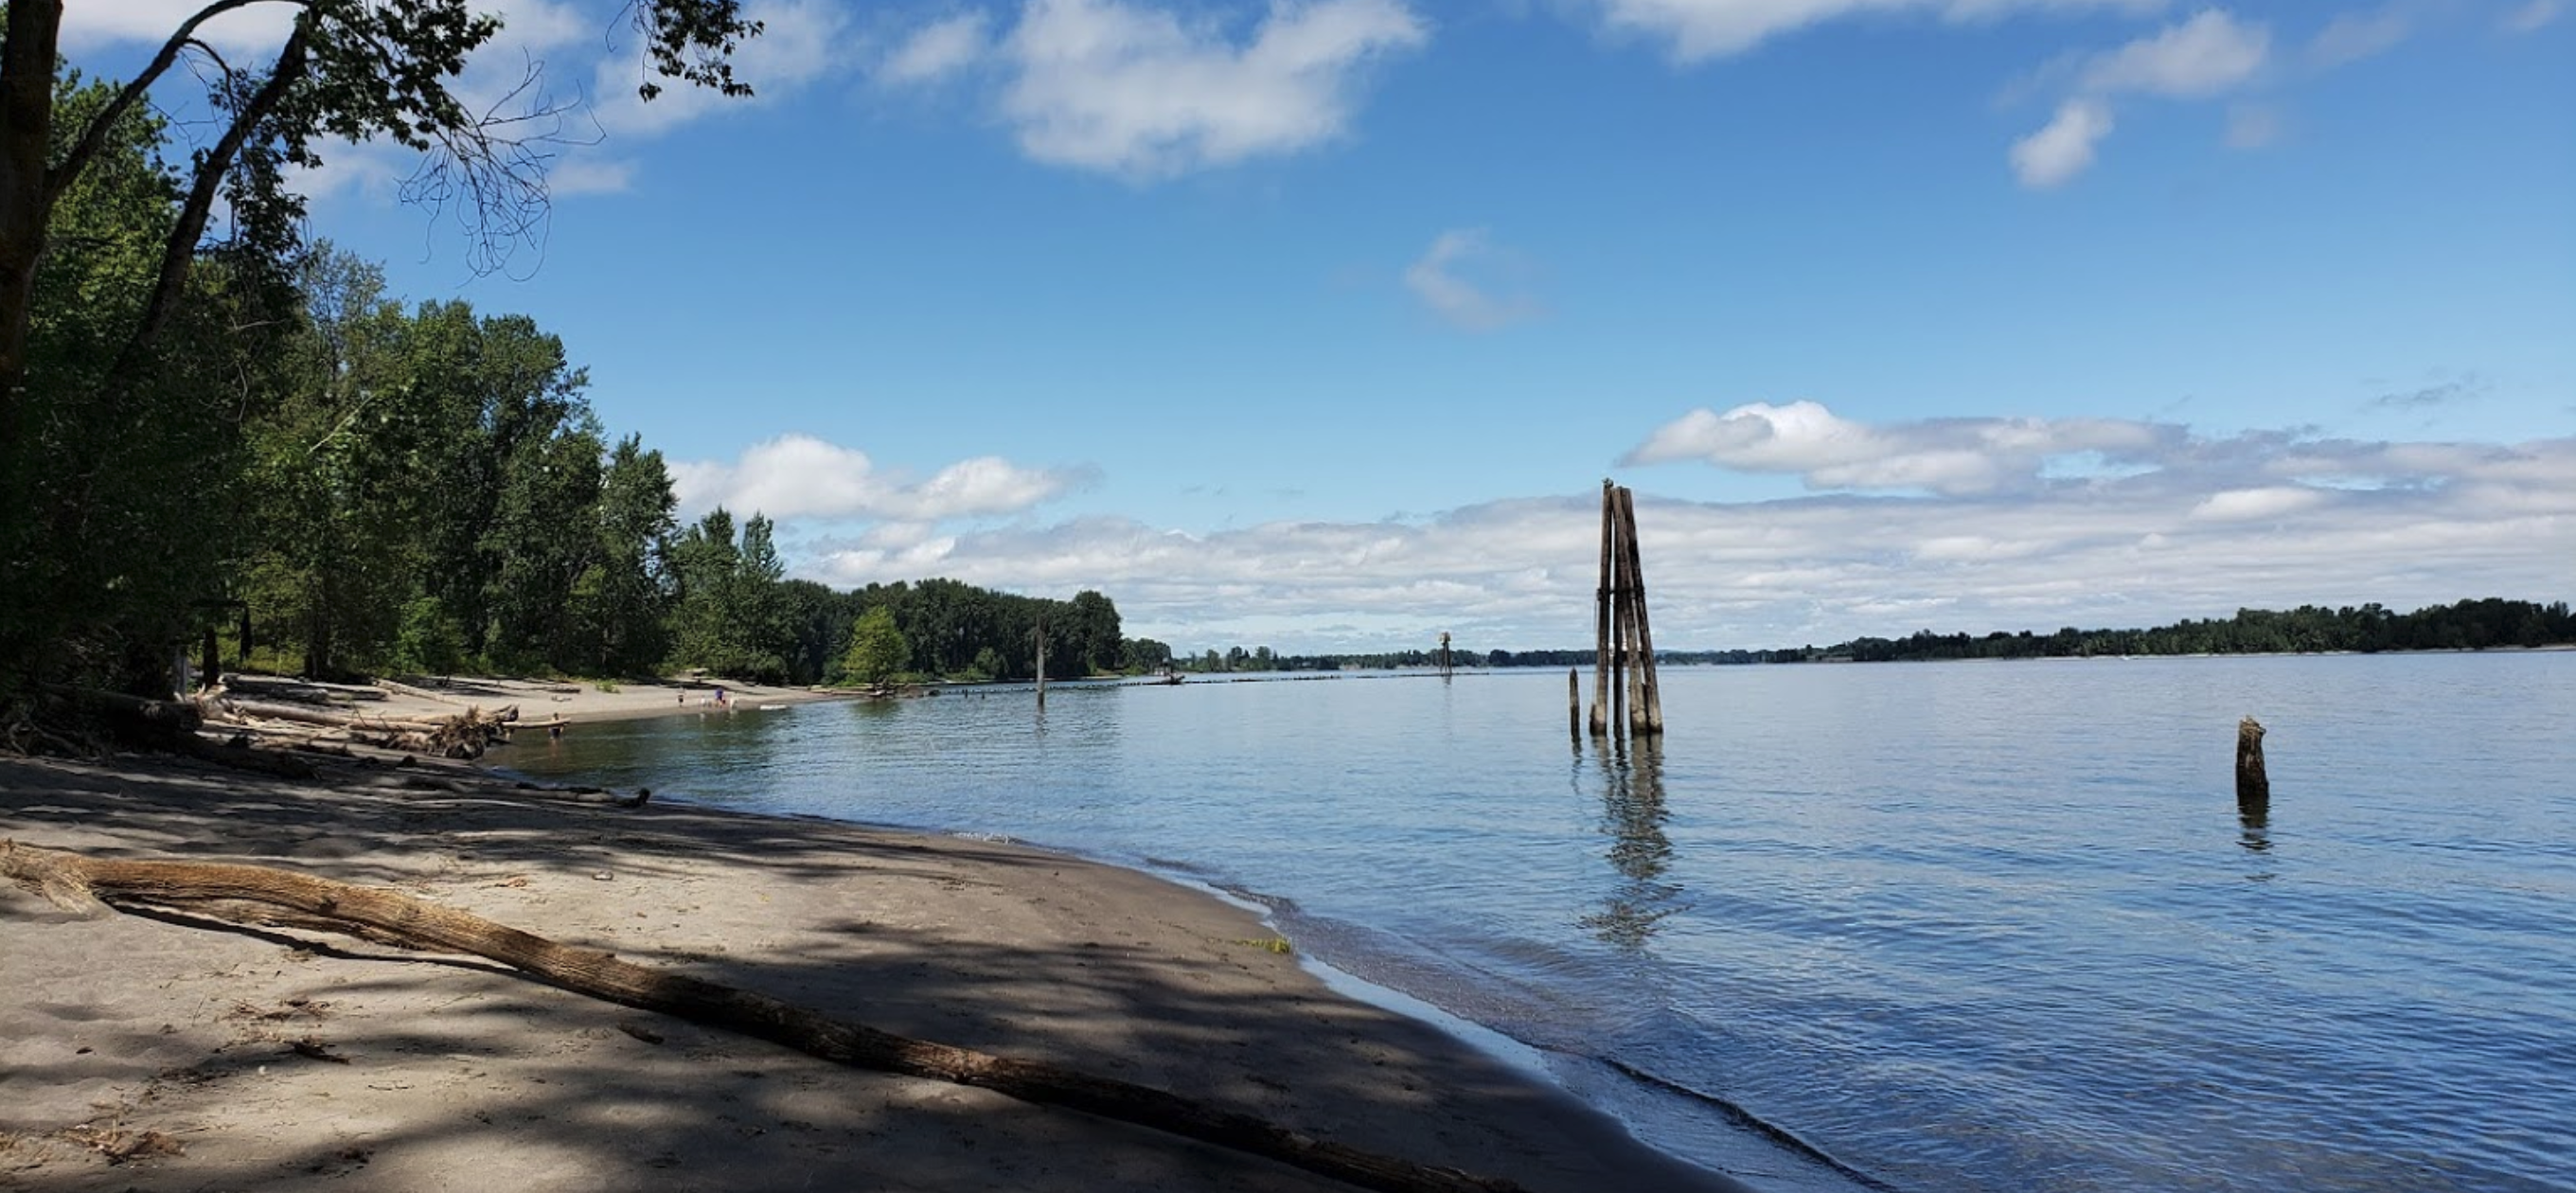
<point>1317,324</point>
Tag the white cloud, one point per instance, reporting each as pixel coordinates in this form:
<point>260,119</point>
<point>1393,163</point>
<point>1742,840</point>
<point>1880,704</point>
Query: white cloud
<point>2534,16</point>
<point>1703,29</point>
<point>2211,526</point>
<point>2063,147</point>
<point>1136,91</point>
<point>1951,456</point>
<point>2248,505</point>
<point>93,25</point>
<point>2353,36</point>
<point>2206,55</point>
<point>802,41</point>
<point>937,50</point>
<point>1448,279</point>
<point>799,476</point>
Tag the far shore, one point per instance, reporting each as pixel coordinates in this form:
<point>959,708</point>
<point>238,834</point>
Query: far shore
<point>148,1053</point>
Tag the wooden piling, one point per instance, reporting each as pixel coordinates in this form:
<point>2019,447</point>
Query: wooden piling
<point>1601,617</point>
<point>1574,704</point>
<point>2253,786</point>
<point>1625,687</point>
<point>1649,699</point>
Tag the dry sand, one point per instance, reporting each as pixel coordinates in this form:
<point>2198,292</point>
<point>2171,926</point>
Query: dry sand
<point>142,1054</point>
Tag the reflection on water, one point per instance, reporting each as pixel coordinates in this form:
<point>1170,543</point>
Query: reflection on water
<point>2254,826</point>
<point>1633,816</point>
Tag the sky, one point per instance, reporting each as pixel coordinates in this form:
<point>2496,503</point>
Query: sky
<point>1318,324</point>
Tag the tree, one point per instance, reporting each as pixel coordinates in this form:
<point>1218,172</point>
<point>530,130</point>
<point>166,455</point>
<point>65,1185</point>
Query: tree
<point>337,539</point>
<point>877,649</point>
<point>621,601</point>
<point>350,69</point>
<point>105,529</point>
<point>1090,632</point>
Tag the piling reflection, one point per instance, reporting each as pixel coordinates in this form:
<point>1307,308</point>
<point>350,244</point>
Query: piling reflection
<point>1632,817</point>
<point>2254,827</point>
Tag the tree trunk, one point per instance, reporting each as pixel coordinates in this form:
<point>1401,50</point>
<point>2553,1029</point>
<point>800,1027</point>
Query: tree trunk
<point>26,137</point>
<point>263,895</point>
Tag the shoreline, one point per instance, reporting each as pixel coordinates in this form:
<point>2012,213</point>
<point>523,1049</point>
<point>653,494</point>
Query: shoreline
<point>125,1031</point>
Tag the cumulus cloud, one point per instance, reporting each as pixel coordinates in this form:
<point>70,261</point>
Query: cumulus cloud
<point>937,50</point>
<point>1951,456</point>
<point>1140,92</point>
<point>90,26</point>
<point>2063,147</point>
<point>1703,29</point>
<point>2204,55</point>
<point>802,41</point>
<point>2208,526</point>
<point>1451,278</point>
<point>802,477</point>
<point>2208,54</point>
<point>2353,36</point>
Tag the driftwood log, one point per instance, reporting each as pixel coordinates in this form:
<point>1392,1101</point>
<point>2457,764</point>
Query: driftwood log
<point>263,895</point>
<point>464,735</point>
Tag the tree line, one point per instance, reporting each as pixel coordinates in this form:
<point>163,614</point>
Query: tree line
<point>267,442</point>
<point>2487,624</point>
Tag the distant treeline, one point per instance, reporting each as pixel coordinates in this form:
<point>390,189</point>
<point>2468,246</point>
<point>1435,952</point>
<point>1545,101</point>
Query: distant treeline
<point>2467,625</point>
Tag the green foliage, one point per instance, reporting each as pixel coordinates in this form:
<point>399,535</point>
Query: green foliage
<point>429,642</point>
<point>159,392</point>
<point>730,613</point>
<point>877,648</point>
<point>105,536</point>
<point>623,597</point>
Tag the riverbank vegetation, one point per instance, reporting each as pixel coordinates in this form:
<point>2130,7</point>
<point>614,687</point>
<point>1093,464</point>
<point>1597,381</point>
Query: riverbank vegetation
<point>2488,624</point>
<point>209,426</point>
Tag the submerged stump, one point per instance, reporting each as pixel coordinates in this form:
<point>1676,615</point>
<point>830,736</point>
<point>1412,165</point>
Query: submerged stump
<point>2253,787</point>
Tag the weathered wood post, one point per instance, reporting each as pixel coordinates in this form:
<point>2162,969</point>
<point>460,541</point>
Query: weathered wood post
<point>1601,620</point>
<point>1574,705</point>
<point>1619,630</point>
<point>2253,787</point>
<point>1041,664</point>
<point>1649,710</point>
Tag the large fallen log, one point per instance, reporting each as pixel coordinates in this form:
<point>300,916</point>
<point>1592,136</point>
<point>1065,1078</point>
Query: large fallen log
<point>262,895</point>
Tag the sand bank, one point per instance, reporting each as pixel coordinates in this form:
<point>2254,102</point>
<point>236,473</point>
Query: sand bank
<point>579,701</point>
<point>142,1054</point>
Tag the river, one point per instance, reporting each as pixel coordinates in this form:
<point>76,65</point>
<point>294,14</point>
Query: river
<point>1965,926</point>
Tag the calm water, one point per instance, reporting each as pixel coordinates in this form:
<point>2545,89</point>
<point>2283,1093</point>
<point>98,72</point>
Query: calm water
<point>1961,926</point>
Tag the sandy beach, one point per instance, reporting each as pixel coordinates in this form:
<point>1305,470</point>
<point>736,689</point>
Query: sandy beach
<point>138,1053</point>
